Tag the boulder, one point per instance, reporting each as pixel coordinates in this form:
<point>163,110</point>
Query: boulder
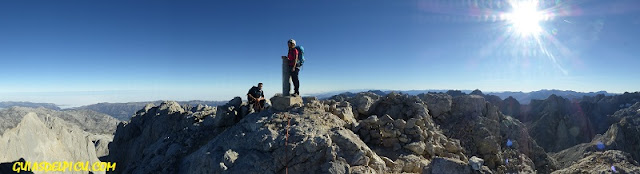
<point>343,110</point>
<point>476,163</point>
<point>309,99</point>
<point>362,102</point>
<point>226,115</point>
<point>439,104</point>
<point>416,147</point>
<point>442,165</point>
<point>468,106</point>
<point>413,163</point>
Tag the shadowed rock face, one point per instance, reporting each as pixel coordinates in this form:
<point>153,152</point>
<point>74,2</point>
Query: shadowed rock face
<point>623,137</point>
<point>484,132</point>
<point>557,123</point>
<point>510,106</point>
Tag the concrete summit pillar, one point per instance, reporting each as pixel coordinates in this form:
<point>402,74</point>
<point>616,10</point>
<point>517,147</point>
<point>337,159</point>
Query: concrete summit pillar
<point>286,86</point>
<point>285,101</point>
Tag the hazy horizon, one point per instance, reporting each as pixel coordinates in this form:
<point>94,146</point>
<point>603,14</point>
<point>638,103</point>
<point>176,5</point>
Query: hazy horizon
<point>71,99</point>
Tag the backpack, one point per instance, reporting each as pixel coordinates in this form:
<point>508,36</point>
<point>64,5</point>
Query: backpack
<point>300,56</point>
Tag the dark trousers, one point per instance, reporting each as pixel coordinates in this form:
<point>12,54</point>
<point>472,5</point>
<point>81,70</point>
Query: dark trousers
<point>296,82</point>
<point>253,103</point>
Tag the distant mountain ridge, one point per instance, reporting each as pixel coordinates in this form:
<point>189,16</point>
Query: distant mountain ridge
<point>525,98</point>
<point>8,104</point>
<point>124,111</point>
<point>522,97</point>
<point>120,111</point>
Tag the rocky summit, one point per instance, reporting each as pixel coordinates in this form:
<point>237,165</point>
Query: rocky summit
<point>364,133</point>
<point>361,133</point>
<point>396,135</point>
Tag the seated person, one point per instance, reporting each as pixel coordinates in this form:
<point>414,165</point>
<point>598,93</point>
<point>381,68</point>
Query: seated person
<point>255,96</point>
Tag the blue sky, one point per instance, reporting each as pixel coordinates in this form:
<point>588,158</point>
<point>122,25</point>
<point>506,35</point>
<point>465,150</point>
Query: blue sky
<point>75,52</point>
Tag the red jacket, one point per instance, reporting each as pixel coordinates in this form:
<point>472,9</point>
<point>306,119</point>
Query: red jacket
<point>293,52</point>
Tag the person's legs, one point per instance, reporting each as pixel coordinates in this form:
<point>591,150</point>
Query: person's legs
<point>296,82</point>
<point>261,104</point>
<point>252,104</point>
<point>256,106</point>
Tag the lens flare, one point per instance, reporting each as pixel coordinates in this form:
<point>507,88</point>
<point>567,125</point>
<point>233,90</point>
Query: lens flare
<point>527,35</point>
<point>525,18</point>
<point>600,145</point>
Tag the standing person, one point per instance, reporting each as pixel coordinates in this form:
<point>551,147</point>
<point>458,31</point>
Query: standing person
<point>293,66</point>
<point>255,96</point>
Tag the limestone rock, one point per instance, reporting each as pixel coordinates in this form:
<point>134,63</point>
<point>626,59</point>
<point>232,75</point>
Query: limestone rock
<point>610,161</point>
<point>416,147</point>
<point>101,143</point>
<point>401,126</point>
<point>413,163</point>
<point>438,103</point>
<point>157,137</point>
<point>476,163</point>
<point>226,114</point>
<point>343,110</point>
<point>49,139</point>
<point>447,166</point>
<point>362,102</point>
<point>401,106</point>
<point>309,99</point>
<point>483,132</point>
<point>230,157</point>
<point>317,141</point>
<point>87,120</point>
<point>170,107</point>
<point>469,106</point>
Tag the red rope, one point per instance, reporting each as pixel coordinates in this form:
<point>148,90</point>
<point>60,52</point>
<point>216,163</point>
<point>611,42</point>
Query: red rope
<point>286,157</point>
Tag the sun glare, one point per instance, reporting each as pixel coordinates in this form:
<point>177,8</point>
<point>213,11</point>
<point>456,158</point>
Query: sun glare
<point>525,18</point>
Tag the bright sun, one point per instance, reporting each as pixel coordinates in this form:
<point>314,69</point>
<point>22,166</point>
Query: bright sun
<point>525,18</point>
